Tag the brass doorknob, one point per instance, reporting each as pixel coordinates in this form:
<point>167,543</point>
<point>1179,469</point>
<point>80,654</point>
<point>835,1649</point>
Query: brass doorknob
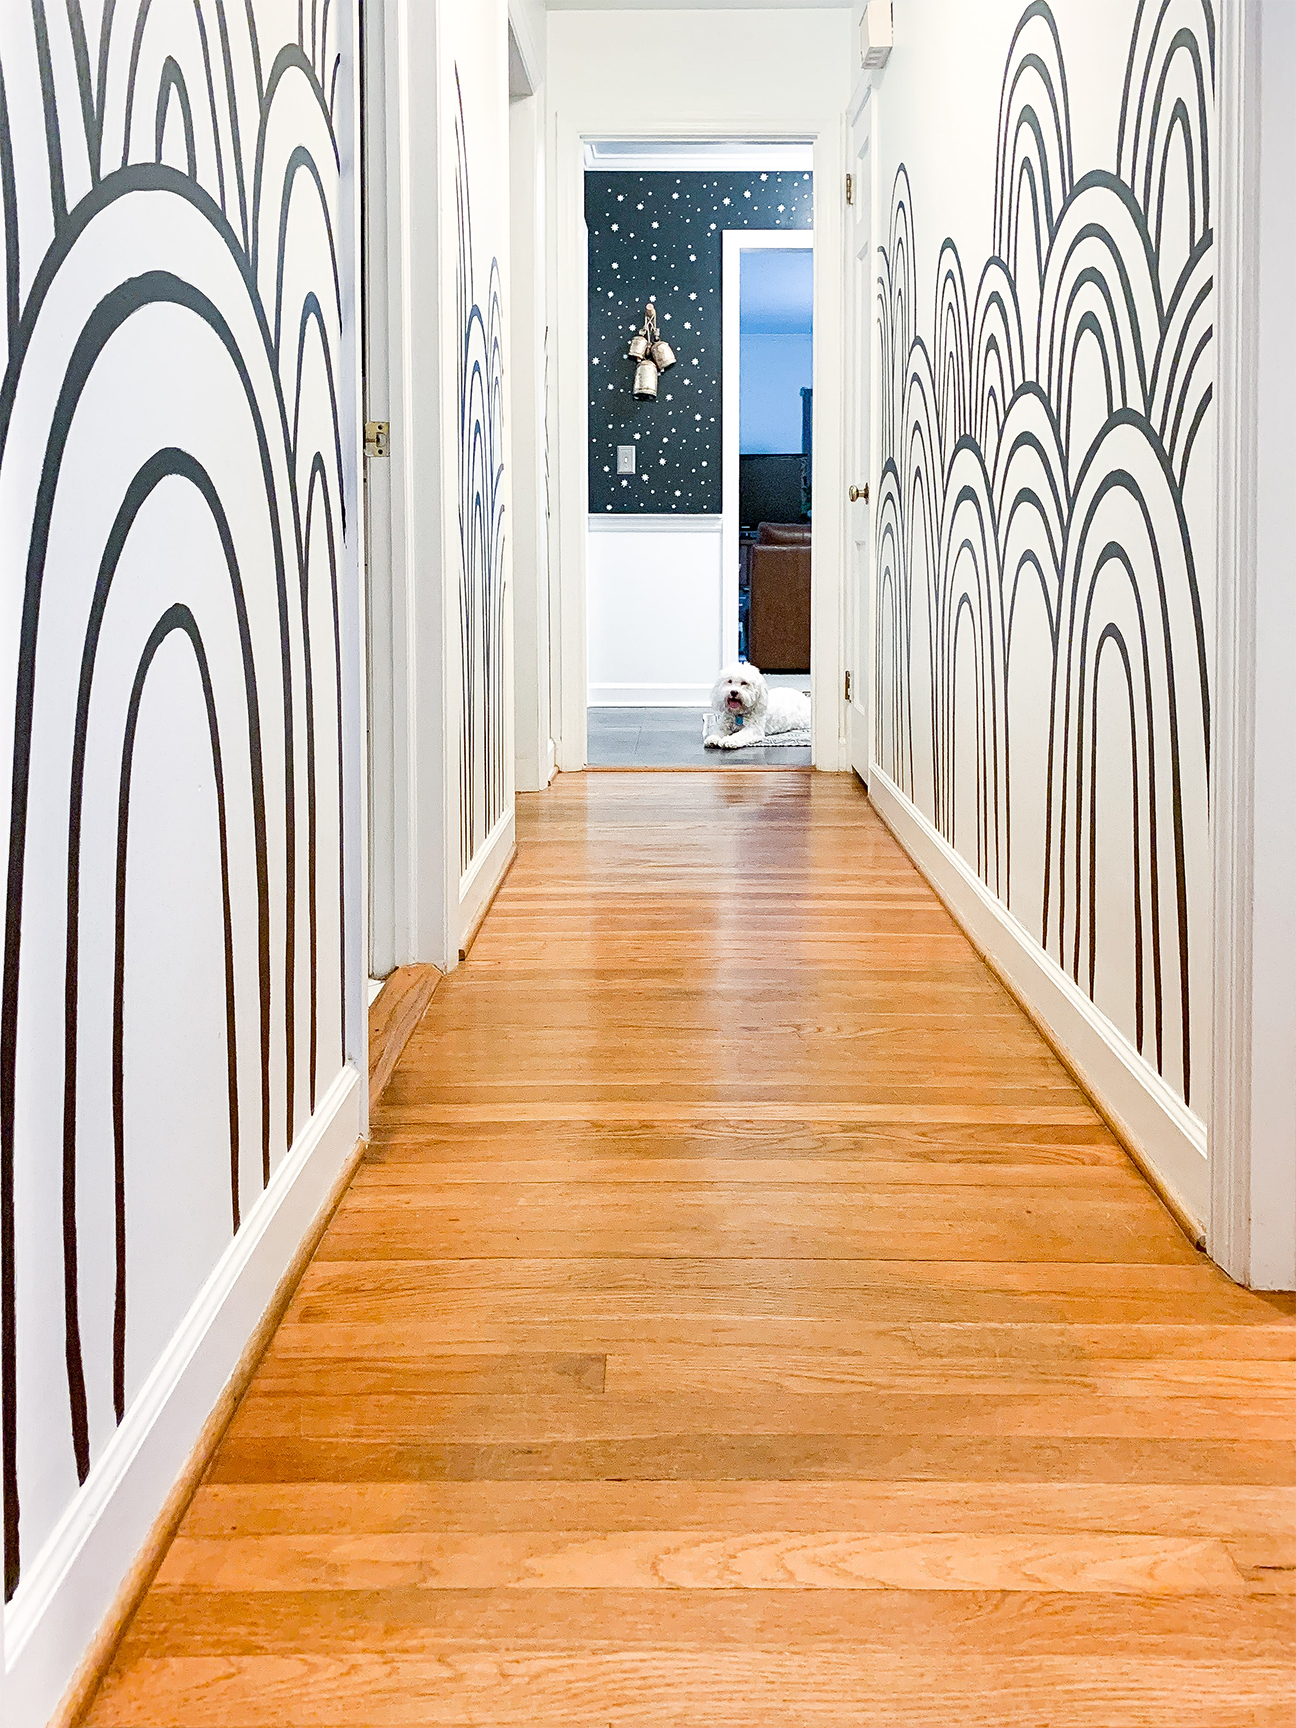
<point>858,492</point>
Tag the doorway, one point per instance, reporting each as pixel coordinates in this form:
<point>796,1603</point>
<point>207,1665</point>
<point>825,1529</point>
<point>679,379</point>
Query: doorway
<point>768,452</point>
<point>665,606</point>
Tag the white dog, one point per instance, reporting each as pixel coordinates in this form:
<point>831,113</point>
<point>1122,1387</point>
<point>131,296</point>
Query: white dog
<point>744,710</point>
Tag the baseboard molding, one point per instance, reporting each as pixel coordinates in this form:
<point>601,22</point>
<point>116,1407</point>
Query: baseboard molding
<point>650,695</point>
<point>483,880</point>
<point>1157,1129</point>
<point>77,1597</point>
<point>393,1014</point>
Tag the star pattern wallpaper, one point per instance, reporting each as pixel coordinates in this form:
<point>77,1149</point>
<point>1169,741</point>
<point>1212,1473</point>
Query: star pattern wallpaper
<point>657,236</point>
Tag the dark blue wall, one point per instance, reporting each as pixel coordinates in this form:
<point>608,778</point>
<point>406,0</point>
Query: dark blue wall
<point>658,235</point>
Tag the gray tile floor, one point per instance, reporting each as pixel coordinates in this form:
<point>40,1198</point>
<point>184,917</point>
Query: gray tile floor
<point>672,738</point>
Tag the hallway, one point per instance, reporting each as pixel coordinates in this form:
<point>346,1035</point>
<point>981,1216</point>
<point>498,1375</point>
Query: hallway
<point>740,1317</point>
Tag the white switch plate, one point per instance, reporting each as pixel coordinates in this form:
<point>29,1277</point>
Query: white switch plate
<point>625,458</point>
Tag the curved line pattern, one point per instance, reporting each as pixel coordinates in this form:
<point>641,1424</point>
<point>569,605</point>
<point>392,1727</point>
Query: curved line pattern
<point>1047,437</point>
<point>172,84</point>
<point>175,618</point>
<point>262,496</point>
<point>482,766</point>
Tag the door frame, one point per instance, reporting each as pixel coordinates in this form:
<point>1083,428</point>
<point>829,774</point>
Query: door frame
<point>1252,1113</point>
<point>862,411</point>
<point>733,243</point>
<point>412,608</point>
<point>569,433</point>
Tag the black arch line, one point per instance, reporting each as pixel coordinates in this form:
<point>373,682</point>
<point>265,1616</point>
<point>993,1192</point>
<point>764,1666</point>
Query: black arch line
<point>1075,298</point>
<point>481,524</point>
<point>111,313</point>
<point>23,320</point>
<point>165,464</point>
<point>176,619</point>
<point>171,84</point>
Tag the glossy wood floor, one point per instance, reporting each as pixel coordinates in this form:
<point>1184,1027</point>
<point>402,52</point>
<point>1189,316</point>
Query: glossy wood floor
<point>741,1319</point>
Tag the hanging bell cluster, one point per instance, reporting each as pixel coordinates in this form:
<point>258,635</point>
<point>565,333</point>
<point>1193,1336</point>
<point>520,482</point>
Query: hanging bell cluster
<point>652,356</point>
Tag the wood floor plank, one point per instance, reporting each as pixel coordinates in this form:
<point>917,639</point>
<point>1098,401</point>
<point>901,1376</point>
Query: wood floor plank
<point>680,1687</point>
<point>969,1507</point>
<point>546,1418</point>
<point>742,1371</point>
<point>707,1456</point>
<point>840,1559</point>
<point>991,1625</point>
<point>740,1318</point>
<point>1040,1347</point>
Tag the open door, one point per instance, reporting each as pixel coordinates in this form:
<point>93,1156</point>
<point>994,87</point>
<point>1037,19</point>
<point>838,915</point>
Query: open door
<point>859,445</point>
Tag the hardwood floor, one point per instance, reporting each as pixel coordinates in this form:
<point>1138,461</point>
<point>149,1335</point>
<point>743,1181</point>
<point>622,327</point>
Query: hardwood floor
<point>740,1318</point>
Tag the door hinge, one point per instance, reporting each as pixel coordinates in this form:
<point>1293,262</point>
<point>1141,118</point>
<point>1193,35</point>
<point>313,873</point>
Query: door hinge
<point>850,188</point>
<point>377,437</point>
<point>848,686</point>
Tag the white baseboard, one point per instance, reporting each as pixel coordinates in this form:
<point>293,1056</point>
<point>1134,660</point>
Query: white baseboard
<point>1160,1130</point>
<point>482,876</point>
<point>650,695</point>
<point>72,1583</point>
<point>534,774</point>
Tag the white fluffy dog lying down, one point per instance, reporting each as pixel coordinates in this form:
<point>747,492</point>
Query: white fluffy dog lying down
<point>744,710</point>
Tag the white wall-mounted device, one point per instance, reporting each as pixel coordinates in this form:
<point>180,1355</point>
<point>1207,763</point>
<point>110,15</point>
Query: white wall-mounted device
<point>876,34</point>
<point>625,458</point>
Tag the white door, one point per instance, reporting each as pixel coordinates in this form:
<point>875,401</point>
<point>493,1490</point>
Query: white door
<point>859,397</point>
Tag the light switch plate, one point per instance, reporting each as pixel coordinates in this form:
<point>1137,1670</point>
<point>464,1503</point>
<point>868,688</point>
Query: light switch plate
<point>625,458</point>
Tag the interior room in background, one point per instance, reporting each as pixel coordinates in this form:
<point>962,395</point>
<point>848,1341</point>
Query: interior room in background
<point>664,612</point>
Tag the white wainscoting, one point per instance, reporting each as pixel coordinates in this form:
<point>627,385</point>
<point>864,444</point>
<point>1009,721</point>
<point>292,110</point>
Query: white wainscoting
<point>656,611</point>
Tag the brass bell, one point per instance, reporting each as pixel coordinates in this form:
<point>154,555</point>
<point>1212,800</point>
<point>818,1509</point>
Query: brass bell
<point>663,355</point>
<point>639,347</point>
<point>645,381</point>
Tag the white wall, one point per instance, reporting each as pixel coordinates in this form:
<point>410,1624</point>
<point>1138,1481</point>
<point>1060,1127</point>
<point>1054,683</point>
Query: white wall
<point>656,628</point>
<point>771,74</point>
<point>180,691</point>
<point>528,328</point>
<point>1044,521</point>
<point>476,467</point>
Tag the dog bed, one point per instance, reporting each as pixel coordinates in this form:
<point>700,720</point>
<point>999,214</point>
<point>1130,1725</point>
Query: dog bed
<point>800,740</point>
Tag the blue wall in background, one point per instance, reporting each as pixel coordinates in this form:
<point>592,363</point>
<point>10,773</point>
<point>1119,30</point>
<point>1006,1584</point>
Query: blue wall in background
<point>773,372</point>
<point>776,316</point>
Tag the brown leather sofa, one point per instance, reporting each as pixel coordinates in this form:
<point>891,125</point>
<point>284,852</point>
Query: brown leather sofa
<point>778,621</point>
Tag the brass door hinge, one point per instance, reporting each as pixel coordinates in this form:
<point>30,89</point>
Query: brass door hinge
<point>377,437</point>
<point>850,188</point>
<point>848,686</point>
